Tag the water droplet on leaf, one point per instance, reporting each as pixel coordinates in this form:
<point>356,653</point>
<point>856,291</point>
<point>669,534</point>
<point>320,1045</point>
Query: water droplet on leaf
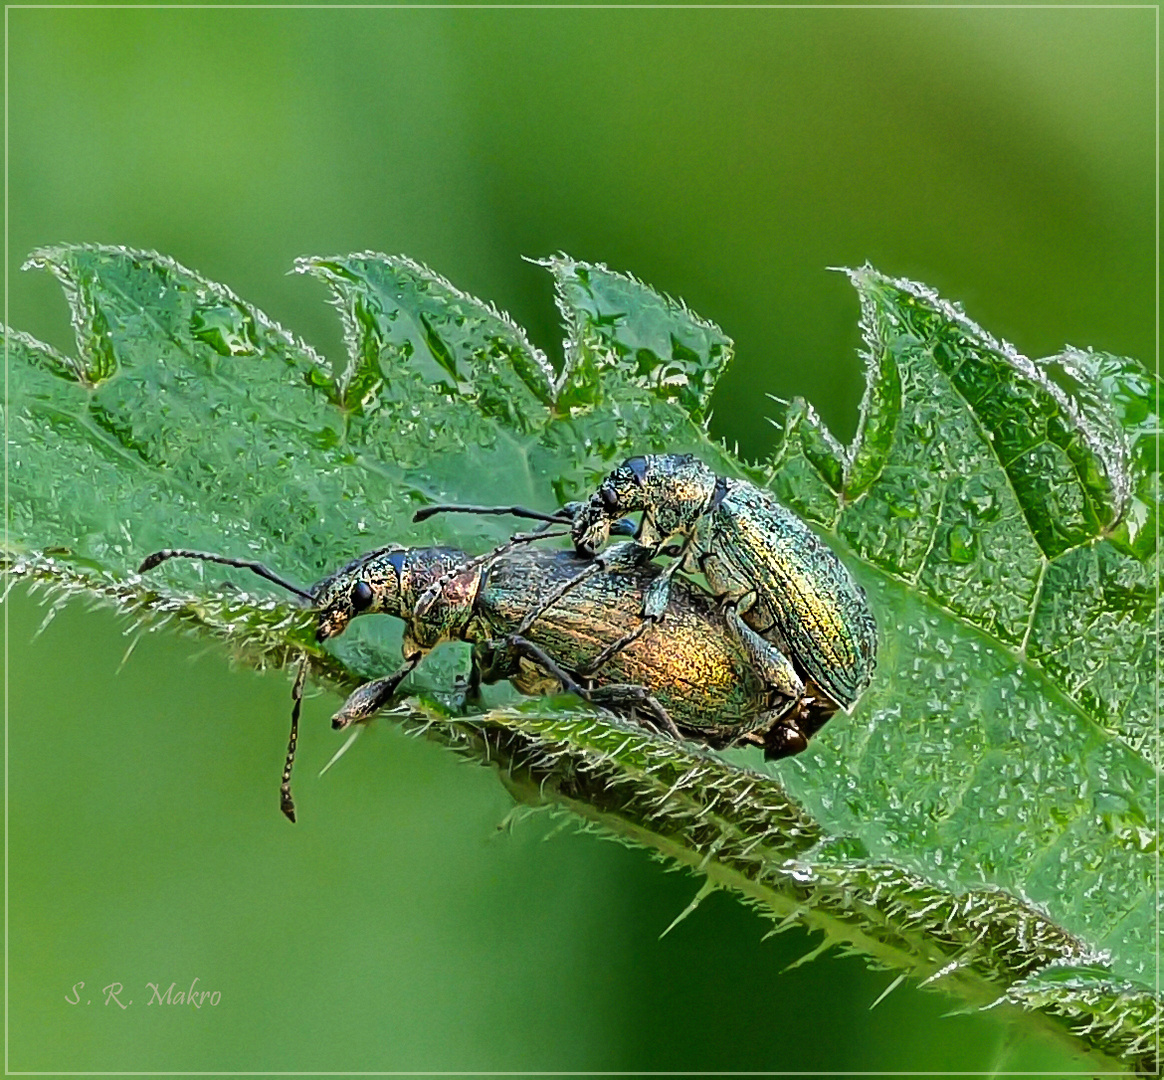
<point>226,329</point>
<point>962,544</point>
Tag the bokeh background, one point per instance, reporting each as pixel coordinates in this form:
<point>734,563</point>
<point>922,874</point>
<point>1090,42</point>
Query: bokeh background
<point>1006,157</point>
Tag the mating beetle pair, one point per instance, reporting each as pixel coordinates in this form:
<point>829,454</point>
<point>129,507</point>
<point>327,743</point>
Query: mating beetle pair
<point>787,639</point>
<point>789,600</point>
<point>686,674</point>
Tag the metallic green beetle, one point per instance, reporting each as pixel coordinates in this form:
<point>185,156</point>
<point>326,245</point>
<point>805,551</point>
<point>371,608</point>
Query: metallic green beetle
<point>757,555</point>
<point>695,671</point>
<point>690,673</point>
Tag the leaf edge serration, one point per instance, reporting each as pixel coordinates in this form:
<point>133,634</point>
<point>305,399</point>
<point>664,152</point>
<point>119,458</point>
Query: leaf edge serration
<point>49,257</point>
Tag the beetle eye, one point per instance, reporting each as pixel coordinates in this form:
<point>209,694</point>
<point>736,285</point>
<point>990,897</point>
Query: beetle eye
<point>361,596</point>
<point>609,497</point>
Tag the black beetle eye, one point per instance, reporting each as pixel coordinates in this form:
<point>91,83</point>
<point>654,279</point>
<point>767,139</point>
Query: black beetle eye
<point>361,596</point>
<point>609,497</point>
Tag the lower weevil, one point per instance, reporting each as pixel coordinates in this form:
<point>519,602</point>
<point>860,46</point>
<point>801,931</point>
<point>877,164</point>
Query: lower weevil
<point>693,672</point>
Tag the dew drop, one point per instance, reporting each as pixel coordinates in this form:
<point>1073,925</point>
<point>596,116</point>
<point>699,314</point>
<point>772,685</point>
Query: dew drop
<point>961,544</point>
<point>226,328</point>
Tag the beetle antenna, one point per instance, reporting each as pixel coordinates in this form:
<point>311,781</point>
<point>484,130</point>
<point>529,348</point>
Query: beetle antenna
<point>157,557</point>
<point>286,802</point>
<point>500,511</point>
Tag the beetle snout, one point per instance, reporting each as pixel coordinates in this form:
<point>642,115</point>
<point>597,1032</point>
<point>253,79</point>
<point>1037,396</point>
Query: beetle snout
<point>331,624</point>
<point>590,528</point>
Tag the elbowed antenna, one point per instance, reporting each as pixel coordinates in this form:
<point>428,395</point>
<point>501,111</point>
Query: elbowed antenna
<point>158,557</point>
<point>624,527</point>
<point>498,511</point>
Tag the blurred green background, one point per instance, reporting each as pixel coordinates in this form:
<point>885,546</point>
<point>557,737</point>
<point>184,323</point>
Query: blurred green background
<point>1006,157</point>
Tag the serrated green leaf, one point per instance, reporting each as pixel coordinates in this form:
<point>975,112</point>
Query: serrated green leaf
<point>406,326</point>
<point>806,470</point>
<point>622,334</point>
<point>1008,736</point>
<point>984,818</point>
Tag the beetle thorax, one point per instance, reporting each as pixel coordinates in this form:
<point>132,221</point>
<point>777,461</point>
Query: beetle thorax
<point>443,615</point>
<point>677,491</point>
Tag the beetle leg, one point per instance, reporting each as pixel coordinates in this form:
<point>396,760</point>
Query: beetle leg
<point>476,677</point>
<point>531,615</point>
<point>619,557</point>
<point>617,696</point>
<point>499,662</point>
<point>622,696</point>
<point>514,541</point>
<point>659,591</point>
<point>711,566</point>
<point>365,701</point>
<point>594,665</point>
<point>745,738</point>
<point>525,647</point>
<point>491,664</point>
<point>770,663</point>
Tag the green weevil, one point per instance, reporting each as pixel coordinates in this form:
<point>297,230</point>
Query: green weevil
<point>688,673</point>
<point>757,555</point>
<point>695,671</point>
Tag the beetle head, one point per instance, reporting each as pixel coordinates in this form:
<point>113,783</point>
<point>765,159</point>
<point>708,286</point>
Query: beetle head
<point>368,584</point>
<point>388,580</point>
<point>622,492</point>
<point>672,490</point>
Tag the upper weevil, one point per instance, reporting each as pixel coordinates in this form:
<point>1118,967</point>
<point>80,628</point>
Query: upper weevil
<point>786,583</point>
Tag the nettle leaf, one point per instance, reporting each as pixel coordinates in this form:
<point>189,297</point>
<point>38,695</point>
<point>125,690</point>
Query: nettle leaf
<point>617,324</point>
<point>985,820</point>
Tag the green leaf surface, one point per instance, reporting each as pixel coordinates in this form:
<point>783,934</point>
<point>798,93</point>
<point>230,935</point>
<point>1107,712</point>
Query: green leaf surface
<point>622,334</point>
<point>985,819</point>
